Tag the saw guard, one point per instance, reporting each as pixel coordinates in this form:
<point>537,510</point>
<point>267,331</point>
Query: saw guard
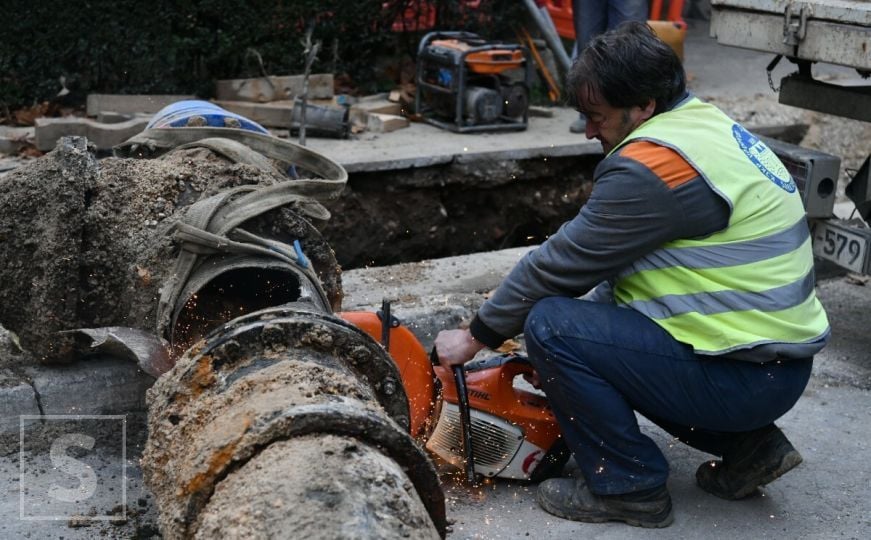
<point>411,359</point>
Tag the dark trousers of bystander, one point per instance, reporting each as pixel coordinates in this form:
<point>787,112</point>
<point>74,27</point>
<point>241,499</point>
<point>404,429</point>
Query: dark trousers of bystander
<point>599,363</point>
<point>593,17</point>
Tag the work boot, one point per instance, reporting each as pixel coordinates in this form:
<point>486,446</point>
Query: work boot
<point>570,498</point>
<point>579,125</point>
<point>759,457</point>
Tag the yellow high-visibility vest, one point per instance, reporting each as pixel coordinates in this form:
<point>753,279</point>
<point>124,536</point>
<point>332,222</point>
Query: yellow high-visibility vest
<point>749,284</point>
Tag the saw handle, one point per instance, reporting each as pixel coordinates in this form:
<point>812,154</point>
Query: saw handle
<point>465,416</point>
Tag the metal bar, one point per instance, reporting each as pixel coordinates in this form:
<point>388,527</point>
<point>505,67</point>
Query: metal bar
<point>847,101</point>
<point>553,40</point>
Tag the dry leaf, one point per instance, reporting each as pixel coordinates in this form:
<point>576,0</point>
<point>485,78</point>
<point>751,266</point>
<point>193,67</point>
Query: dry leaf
<point>509,346</point>
<point>144,275</point>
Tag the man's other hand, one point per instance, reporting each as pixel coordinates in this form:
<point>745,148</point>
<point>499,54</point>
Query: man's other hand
<point>456,347</point>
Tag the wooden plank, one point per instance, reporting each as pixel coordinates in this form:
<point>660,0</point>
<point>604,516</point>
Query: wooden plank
<point>266,89</point>
<point>362,109</point>
<point>274,114</point>
<point>385,123</point>
<point>130,104</point>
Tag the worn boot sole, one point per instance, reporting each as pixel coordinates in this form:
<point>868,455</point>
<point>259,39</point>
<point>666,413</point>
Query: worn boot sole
<point>656,521</point>
<point>707,480</point>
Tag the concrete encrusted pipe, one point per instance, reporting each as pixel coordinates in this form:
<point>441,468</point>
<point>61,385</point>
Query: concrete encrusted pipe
<point>288,423</point>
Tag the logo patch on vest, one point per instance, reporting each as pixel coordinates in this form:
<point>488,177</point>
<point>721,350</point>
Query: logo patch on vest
<point>763,158</point>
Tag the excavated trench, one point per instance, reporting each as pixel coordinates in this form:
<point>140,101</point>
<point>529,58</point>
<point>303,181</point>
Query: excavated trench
<point>408,215</point>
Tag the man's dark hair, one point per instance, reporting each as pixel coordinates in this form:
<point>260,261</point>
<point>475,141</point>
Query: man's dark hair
<point>627,67</point>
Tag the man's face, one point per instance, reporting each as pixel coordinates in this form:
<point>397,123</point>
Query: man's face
<point>610,125</point>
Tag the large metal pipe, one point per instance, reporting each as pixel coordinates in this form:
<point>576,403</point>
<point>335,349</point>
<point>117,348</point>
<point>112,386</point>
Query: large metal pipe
<point>288,423</point>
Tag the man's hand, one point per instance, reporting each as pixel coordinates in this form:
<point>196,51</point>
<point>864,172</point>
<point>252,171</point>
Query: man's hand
<point>456,347</point>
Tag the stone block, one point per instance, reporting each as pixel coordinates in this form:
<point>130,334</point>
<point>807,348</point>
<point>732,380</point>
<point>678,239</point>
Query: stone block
<point>273,114</point>
<point>12,139</point>
<point>361,110</point>
<point>103,136</point>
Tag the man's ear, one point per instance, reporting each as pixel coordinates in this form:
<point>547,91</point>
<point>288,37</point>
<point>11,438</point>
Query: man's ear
<point>647,110</point>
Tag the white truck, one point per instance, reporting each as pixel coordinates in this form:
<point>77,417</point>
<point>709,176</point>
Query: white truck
<point>805,32</point>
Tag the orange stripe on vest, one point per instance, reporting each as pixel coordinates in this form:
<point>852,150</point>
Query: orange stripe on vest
<point>665,163</point>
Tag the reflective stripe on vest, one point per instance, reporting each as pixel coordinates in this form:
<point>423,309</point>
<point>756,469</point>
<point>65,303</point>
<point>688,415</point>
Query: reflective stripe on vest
<point>751,283</point>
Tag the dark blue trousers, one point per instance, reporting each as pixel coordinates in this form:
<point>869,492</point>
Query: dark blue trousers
<point>599,363</point>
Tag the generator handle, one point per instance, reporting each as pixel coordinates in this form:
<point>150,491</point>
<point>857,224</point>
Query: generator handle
<point>432,36</point>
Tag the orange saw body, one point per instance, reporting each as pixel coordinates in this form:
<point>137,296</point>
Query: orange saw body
<point>513,430</point>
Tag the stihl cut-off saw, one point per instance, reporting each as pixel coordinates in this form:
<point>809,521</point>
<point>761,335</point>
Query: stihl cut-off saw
<point>473,417</point>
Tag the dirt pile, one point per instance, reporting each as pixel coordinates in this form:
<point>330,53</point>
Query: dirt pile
<point>87,243</point>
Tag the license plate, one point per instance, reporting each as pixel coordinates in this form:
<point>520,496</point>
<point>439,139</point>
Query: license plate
<point>847,247</point>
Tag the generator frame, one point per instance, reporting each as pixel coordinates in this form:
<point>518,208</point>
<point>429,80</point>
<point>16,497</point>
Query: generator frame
<point>459,83</point>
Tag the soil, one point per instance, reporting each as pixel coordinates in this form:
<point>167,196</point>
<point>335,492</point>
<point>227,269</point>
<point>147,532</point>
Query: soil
<point>407,215</point>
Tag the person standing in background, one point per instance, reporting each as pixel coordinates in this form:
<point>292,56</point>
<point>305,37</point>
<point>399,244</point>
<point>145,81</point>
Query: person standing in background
<point>593,17</point>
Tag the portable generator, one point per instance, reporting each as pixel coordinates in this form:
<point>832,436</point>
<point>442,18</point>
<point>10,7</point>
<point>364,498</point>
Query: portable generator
<point>466,84</point>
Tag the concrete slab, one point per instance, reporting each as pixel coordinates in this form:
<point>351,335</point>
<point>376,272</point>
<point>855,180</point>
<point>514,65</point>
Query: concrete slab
<point>104,136</point>
<point>15,400</point>
<point>544,137</point>
<point>98,385</point>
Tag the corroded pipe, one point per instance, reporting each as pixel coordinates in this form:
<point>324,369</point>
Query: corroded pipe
<point>284,421</point>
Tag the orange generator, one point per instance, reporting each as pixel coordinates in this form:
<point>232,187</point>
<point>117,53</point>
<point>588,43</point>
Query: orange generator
<point>465,83</point>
